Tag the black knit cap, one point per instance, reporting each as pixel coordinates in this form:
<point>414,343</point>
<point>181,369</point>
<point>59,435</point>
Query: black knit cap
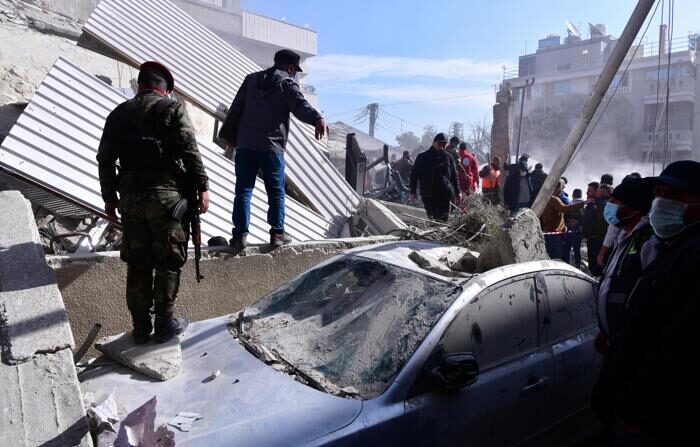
<point>637,193</point>
<point>440,138</point>
<point>288,57</point>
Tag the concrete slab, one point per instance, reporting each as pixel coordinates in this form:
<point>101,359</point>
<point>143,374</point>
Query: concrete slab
<point>159,361</point>
<point>33,318</point>
<point>520,240</point>
<point>434,265</point>
<point>462,260</point>
<point>381,217</point>
<point>41,404</point>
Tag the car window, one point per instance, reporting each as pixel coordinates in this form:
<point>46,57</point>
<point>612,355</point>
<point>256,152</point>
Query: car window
<point>572,307</point>
<point>499,324</point>
<point>351,322</point>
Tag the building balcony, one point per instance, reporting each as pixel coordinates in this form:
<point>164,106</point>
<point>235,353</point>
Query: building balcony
<point>679,140</point>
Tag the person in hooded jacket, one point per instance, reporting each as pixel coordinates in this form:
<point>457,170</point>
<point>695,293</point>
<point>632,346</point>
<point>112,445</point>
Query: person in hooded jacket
<point>257,124</point>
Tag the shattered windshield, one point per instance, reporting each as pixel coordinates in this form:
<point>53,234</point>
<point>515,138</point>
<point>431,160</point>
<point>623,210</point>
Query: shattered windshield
<point>349,324</point>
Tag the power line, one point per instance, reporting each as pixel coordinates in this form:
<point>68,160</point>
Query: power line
<point>600,115</point>
<point>437,99</point>
<point>359,109</point>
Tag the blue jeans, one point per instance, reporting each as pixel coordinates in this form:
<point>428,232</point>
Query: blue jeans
<point>554,244</point>
<point>248,162</point>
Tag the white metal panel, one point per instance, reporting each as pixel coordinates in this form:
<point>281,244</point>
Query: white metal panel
<point>209,72</point>
<point>282,34</point>
<point>54,144</point>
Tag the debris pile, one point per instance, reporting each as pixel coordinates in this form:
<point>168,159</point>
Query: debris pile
<point>473,225</point>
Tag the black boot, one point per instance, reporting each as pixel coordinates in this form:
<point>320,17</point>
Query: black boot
<point>142,328</point>
<point>167,327</point>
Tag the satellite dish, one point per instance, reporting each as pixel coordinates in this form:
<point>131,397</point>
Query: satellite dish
<point>572,30</point>
<point>595,31</point>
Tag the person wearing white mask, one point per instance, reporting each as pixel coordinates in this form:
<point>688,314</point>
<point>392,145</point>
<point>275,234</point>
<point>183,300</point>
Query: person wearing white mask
<point>654,380</point>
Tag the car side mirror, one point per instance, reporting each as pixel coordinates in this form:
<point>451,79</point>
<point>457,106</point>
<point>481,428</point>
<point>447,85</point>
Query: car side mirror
<point>456,371</point>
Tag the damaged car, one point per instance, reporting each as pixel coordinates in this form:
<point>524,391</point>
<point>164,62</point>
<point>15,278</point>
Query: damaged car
<point>368,348</point>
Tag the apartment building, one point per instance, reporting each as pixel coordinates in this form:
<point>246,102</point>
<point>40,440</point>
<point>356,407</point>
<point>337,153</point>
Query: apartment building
<point>568,68</point>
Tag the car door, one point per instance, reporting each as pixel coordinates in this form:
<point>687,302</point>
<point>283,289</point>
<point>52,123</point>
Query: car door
<point>570,330</point>
<point>501,328</point>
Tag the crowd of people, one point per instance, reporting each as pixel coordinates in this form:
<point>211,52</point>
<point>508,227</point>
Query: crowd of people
<point>642,242</point>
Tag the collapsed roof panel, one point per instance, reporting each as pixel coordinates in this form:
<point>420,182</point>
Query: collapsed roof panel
<point>54,144</point>
<point>208,71</point>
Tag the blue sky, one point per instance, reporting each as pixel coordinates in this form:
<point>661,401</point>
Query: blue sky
<point>435,62</point>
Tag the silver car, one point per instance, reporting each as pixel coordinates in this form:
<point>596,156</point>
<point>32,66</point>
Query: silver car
<point>369,349</point>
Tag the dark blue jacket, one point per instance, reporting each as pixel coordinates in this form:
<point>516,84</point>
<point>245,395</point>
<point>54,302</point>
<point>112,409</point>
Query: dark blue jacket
<point>258,118</point>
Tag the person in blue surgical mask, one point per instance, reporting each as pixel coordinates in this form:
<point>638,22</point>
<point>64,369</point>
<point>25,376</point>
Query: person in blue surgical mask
<point>633,251</point>
<point>654,380</point>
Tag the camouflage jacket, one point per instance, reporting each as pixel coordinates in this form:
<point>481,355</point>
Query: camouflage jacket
<point>174,130</point>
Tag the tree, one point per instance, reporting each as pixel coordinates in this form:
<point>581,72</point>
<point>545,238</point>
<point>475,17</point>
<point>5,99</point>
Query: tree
<point>479,138</point>
<point>429,132</point>
<point>408,140</point>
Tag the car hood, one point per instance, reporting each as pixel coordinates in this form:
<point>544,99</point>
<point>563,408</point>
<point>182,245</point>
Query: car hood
<point>249,403</point>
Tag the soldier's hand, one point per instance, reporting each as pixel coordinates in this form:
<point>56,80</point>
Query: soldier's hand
<point>203,201</point>
<point>321,128</point>
<point>111,210</point>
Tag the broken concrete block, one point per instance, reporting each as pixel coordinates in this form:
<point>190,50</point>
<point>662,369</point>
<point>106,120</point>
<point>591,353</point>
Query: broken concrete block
<point>520,240</point>
<point>434,265</point>
<point>33,318</point>
<point>381,217</point>
<point>160,361</point>
<point>41,403</point>
<point>462,260</point>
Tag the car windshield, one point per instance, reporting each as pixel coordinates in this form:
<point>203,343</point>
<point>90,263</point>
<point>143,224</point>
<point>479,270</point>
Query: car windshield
<point>350,324</point>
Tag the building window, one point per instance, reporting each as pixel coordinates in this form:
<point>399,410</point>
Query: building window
<point>621,80</point>
<point>562,88</point>
<point>678,71</point>
<point>563,66</point>
<point>526,66</point>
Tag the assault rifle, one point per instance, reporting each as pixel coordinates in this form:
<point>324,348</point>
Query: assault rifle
<point>187,213</point>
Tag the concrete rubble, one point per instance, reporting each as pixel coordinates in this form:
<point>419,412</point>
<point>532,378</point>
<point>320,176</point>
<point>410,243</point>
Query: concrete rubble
<point>41,402</point>
<point>519,240</point>
<point>158,361</point>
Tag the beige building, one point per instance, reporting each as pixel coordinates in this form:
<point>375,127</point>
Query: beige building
<point>635,124</point>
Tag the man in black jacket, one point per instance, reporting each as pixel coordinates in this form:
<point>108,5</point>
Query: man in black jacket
<point>257,124</point>
<point>655,380</point>
<point>435,171</point>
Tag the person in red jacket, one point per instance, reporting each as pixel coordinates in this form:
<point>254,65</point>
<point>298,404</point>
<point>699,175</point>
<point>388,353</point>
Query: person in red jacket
<point>469,172</point>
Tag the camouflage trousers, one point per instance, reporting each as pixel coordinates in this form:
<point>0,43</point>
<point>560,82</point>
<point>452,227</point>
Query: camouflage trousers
<point>152,240</point>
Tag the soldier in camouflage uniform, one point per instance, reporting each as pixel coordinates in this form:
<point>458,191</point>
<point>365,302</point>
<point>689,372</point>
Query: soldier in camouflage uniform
<point>153,140</point>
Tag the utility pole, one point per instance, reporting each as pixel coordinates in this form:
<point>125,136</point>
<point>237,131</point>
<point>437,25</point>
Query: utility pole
<point>639,15</point>
<point>373,113</point>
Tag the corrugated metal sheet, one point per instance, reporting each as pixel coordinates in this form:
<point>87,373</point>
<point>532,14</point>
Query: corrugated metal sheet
<point>55,141</point>
<point>43,198</point>
<point>275,32</point>
<point>209,72</point>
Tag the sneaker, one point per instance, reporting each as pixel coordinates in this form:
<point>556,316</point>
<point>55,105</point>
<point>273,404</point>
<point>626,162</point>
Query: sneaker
<point>279,239</point>
<point>172,328</point>
<point>238,243</point>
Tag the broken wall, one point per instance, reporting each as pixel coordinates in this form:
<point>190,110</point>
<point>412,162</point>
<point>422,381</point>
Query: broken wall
<point>93,286</point>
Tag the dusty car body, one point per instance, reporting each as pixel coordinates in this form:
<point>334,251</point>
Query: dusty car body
<point>502,358</point>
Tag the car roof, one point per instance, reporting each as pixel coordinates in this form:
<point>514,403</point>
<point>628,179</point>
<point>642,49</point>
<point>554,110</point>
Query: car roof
<point>397,254</point>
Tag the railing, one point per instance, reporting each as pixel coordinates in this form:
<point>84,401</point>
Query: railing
<point>510,72</point>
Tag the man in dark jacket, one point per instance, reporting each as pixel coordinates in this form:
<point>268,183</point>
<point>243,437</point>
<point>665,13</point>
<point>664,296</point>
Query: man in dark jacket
<point>538,177</point>
<point>434,170</point>
<point>404,166</point>
<point>654,377</point>
<point>634,250</point>
<point>594,225</point>
<point>153,140</point>
<point>518,192</point>
<point>257,124</point>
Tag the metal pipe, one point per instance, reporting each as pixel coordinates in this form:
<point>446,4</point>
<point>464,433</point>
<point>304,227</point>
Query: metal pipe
<point>639,15</point>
